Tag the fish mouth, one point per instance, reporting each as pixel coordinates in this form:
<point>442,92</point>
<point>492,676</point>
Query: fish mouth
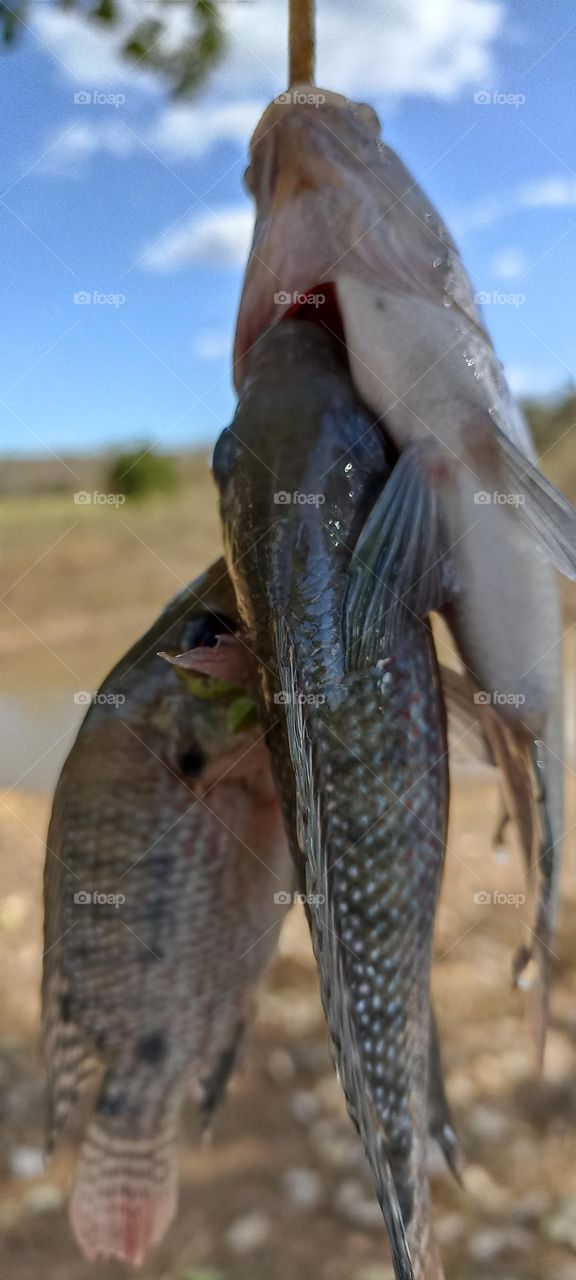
<point>317,304</point>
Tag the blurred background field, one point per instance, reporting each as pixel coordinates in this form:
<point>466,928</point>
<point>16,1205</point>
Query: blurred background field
<point>282,1190</point>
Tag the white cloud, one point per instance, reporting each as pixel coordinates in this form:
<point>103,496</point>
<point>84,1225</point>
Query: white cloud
<point>528,380</point>
<point>74,145</point>
<point>213,344</point>
<point>508,264</point>
<point>218,238</point>
<point>178,132</point>
<point>184,130</point>
<point>369,48</point>
<point>555,192</point>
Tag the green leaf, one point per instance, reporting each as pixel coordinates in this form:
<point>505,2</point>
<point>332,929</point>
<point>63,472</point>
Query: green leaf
<point>202,1273</point>
<point>242,713</point>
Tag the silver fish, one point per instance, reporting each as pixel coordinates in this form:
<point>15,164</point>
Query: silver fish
<point>165,881</point>
<point>336,210</point>
<point>320,546</point>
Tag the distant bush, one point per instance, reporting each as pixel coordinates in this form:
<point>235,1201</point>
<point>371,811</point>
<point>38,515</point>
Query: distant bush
<point>140,473</point>
<point>551,418</point>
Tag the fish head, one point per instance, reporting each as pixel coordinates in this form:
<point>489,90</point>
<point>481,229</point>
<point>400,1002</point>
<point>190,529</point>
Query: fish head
<point>312,157</point>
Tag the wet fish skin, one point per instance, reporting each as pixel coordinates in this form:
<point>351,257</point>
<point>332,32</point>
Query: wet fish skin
<point>335,205</point>
<point>358,746</point>
<point>161,803</point>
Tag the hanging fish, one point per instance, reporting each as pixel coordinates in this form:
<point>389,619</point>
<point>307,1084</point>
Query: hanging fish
<point>165,883</point>
<point>344,231</point>
<point>321,548</point>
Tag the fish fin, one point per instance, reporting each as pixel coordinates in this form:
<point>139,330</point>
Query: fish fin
<point>124,1194</point>
<point>214,1086</point>
<point>441,1124</point>
<point>72,1072</point>
<point>398,568</point>
<point>512,748</point>
<point>334,988</point>
<point>227,659</point>
<point>71,1066</point>
<point>546,512</point>
<point>467,733</point>
<point>539,952</point>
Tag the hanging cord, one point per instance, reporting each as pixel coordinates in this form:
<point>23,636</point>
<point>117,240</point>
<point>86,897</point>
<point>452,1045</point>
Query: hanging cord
<point>301,42</point>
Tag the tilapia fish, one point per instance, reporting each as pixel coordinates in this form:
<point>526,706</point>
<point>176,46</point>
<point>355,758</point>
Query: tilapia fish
<point>166,855</point>
<point>320,550</point>
<point>344,230</point>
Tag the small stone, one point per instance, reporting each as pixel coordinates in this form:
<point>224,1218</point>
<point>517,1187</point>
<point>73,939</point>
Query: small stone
<point>249,1232</point>
<point>281,1067</point>
<point>10,1213</point>
<point>489,1124</point>
<point>561,1228</point>
<point>489,1244</point>
<point>450,1229</point>
<point>490,1195</point>
<point>303,1187</point>
<point>43,1199</point>
<point>531,1208</point>
<point>26,1162</point>
<point>351,1203</point>
<point>303,1107</point>
<point>375,1273</point>
<point>338,1149</point>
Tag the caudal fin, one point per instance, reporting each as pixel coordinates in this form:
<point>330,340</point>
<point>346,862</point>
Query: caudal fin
<point>124,1194</point>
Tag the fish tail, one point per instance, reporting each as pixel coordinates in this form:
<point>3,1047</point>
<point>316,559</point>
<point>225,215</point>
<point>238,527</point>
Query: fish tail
<point>124,1194</point>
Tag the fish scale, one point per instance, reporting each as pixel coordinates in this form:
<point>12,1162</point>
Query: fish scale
<point>385,919</point>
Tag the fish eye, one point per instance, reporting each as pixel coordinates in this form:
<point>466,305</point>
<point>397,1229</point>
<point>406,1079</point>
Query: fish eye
<point>248,179</point>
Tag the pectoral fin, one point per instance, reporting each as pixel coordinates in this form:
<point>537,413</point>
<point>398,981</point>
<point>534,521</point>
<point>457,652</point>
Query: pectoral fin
<point>547,514</point>
<point>399,569</point>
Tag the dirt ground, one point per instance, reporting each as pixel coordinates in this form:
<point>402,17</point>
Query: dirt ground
<point>282,1190</point>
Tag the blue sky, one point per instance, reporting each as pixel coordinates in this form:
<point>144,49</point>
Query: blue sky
<point>133,197</point>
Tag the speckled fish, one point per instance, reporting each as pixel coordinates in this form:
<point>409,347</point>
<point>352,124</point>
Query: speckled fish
<point>166,849</point>
<point>342,223</point>
<point>320,545</point>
